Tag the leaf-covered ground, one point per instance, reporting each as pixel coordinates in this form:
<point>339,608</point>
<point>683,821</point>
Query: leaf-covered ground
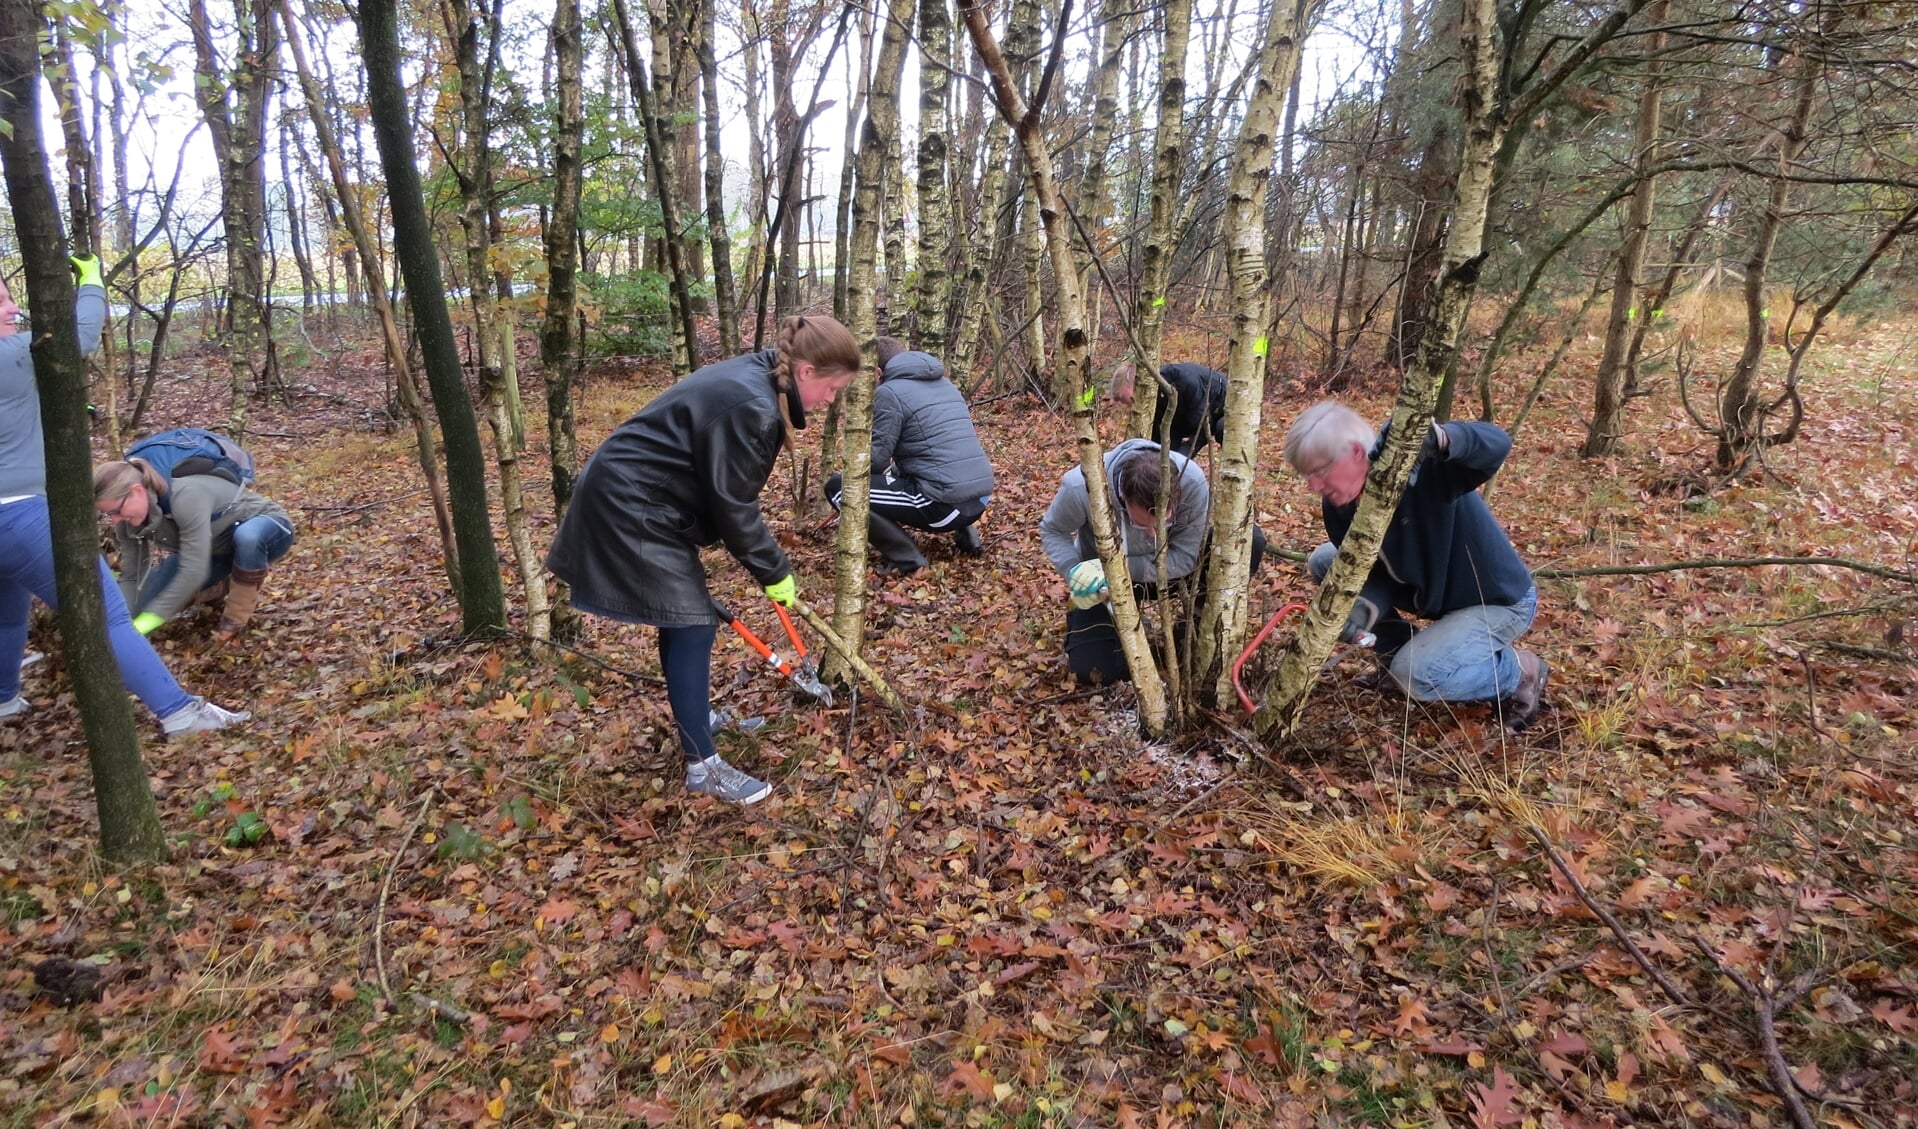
<point>483,897</point>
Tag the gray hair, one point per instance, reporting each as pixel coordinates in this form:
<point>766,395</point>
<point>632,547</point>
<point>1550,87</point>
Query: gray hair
<point>1326,430</point>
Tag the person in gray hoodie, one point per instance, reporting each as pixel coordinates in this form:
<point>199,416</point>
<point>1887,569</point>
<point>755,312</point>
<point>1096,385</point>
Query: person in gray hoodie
<point>1133,476</point>
<point>26,531</point>
<point>928,469</point>
<point>218,538</point>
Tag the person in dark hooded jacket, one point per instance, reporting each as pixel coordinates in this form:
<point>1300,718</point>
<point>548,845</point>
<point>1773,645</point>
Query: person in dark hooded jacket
<point>928,470</point>
<point>685,472</point>
<point>1199,414</point>
<point>1445,559</point>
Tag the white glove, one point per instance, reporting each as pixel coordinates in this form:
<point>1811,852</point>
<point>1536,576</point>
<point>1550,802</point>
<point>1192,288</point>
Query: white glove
<point>1087,581</point>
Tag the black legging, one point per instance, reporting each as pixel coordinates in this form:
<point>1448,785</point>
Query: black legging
<point>686,657</point>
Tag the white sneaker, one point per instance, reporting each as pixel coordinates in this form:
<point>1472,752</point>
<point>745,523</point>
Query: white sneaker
<point>30,658</point>
<point>714,777</point>
<point>199,716</point>
<point>13,707</point>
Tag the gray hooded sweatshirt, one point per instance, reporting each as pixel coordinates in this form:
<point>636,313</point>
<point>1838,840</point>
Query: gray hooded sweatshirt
<point>23,448</point>
<point>922,428</point>
<point>1066,530</point>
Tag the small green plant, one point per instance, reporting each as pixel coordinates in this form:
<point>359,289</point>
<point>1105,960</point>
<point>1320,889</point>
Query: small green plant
<point>248,830</point>
<point>459,841</point>
<point>216,797</point>
<point>19,905</point>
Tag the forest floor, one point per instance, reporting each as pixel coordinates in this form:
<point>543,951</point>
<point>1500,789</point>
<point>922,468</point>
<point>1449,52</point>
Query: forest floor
<point>483,897</point>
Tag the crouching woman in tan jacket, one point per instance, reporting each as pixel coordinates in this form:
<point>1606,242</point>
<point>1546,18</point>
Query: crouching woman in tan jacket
<point>182,541</point>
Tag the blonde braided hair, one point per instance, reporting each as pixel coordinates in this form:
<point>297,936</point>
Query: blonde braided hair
<point>819,341</point>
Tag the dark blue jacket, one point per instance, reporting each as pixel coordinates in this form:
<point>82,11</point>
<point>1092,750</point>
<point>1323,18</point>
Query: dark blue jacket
<point>1201,412</point>
<point>1444,550</point>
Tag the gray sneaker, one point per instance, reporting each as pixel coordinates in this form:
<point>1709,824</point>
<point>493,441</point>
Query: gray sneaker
<point>718,719</point>
<point>714,777</point>
<point>13,707</point>
<point>199,716</point>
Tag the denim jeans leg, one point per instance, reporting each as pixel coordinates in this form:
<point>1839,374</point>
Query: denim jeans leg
<point>15,601</point>
<point>1319,564</point>
<point>155,582</point>
<point>1466,656</point>
<point>259,541</point>
<point>27,538</point>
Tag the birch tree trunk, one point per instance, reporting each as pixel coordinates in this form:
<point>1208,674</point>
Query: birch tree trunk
<point>686,359</point>
<point>1094,205</point>
<point>934,292</point>
<point>976,303</point>
<point>786,133</point>
<point>757,173</point>
<point>474,174</point>
<point>130,828</point>
<point>1222,622</point>
<point>1168,168</point>
<point>877,140</point>
<point>234,107</point>
<point>1608,406</point>
<point>123,238</point>
<point>848,175</point>
<point>1022,46</point>
<point>1072,364</point>
<point>562,256</point>
<point>404,379</point>
<point>1487,109</point>
<point>725,296</point>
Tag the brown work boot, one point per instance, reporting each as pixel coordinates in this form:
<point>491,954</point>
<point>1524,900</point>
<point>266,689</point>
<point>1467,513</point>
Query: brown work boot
<point>1522,708</point>
<point>241,598</point>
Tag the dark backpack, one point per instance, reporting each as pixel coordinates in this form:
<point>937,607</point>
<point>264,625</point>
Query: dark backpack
<point>193,450</point>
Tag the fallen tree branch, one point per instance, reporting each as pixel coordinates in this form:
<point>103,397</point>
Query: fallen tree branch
<point>1677,995</point>
<point>386,888</point>
<point>1725,562</point>
<point>885,691</point>
<point>1832,613</point>
<point>1763,1004</point>
<point>342,510</point>
<point>1877,654</point>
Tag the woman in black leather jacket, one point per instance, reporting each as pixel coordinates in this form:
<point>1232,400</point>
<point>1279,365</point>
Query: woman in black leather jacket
<point>686,472</point>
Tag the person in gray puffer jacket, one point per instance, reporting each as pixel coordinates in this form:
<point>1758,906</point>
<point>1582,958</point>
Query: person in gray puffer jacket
<point>928,469</point>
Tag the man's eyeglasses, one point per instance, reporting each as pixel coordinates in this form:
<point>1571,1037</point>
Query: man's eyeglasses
<point>1320,471</point>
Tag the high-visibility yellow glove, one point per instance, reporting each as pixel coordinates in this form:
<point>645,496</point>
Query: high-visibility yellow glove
<point>1087,581</point>
<point>785,592</point>
<point>145,622</point>
<point>86,270</point>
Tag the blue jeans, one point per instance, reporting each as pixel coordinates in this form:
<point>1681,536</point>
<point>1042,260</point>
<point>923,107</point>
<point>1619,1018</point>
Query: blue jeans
<point>26,571</point>
<point>257,543</point>
<point>1466,656</point>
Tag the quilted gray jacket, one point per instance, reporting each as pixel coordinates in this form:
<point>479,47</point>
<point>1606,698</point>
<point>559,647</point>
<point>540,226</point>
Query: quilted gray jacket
<point>922,428</point>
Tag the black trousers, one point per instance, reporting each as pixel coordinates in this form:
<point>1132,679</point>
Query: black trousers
<point>1092,639</point>
<point>900,498</point>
